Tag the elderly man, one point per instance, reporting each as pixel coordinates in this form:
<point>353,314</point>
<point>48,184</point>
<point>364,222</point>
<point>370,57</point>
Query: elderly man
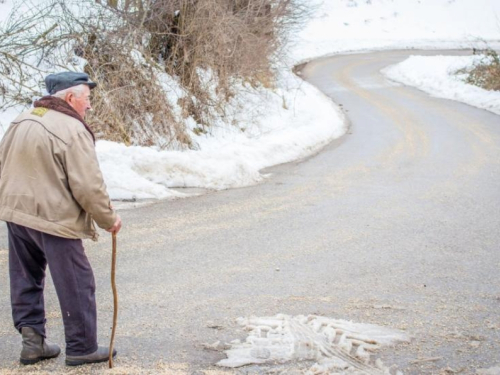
<point>51,192</point>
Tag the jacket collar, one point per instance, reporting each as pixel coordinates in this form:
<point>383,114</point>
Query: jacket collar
<point>59,105</point>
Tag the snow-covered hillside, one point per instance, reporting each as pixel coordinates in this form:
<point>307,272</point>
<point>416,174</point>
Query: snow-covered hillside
<point>354,25</point>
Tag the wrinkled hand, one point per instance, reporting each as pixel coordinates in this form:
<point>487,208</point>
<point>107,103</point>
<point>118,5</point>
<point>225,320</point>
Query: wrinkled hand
<point>116,226</point>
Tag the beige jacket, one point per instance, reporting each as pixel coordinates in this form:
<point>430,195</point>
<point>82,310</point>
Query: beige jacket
<point>50,178</point>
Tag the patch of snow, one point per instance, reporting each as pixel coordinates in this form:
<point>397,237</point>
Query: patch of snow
<point>338,26</point>
<point>338,346</point>
<point>437,75</point>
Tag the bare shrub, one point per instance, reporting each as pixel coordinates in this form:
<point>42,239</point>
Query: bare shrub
<point>209,43</point>
<point>27,40</point>
<point>487,73</point>
<point>130,103</point>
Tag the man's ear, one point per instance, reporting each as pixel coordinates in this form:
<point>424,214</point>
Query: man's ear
<point>69,97</point>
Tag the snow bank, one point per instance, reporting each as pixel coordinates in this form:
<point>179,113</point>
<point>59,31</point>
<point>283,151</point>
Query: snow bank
<point>437,75</point>
<point>232,156</point>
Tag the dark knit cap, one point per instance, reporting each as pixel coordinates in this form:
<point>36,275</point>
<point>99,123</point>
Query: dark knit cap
<point>61,81</point>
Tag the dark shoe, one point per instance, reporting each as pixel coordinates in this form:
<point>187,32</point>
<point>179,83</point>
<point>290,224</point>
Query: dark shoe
<point>36,348</point>
<point>100,355</point>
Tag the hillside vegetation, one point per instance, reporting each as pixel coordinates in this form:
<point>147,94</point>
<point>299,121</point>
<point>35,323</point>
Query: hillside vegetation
<point>487,73</point>
<point>157,62</point>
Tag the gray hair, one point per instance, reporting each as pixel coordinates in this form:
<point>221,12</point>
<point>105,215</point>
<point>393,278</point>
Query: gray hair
<point>75,90</point>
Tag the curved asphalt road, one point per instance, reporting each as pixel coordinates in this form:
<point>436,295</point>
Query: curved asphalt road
<point>395,224</point>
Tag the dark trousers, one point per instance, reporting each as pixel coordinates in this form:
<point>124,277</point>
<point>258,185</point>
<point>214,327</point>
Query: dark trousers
<point>29,253</point>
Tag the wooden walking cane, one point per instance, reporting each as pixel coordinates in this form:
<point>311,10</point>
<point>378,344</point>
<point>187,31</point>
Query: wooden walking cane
<point>115,301</point>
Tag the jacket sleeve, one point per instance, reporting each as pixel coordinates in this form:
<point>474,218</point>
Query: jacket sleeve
<point>86,181</point>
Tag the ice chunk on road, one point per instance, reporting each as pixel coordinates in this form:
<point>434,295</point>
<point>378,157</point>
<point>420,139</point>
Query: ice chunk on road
<point>338,345</point>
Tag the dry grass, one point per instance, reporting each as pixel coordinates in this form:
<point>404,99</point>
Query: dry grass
<point>487,73</point>
<point>129,104</point>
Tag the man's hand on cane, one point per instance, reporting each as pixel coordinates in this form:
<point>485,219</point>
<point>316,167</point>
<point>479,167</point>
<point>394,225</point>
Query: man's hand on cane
<point>116,226</point>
